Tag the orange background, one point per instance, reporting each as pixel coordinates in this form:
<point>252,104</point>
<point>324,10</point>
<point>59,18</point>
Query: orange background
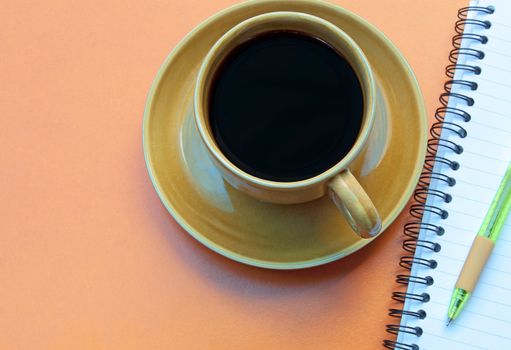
<point>90,259</point>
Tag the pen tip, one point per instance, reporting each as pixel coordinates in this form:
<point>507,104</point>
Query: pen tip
<point>449,321</point>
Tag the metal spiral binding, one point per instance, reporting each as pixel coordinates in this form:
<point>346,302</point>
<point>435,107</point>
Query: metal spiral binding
<point>419,207</point>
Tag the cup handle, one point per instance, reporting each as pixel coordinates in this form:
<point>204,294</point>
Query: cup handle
<point>349,196</point>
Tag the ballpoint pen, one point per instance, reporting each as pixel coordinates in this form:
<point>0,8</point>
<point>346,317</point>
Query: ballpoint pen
<point>481,247</point>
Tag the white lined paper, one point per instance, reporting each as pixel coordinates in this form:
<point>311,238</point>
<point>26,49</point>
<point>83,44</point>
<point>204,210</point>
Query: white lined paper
<point>485,323</point>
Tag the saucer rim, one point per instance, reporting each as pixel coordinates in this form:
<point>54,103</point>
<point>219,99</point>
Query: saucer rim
<point>305,263</point>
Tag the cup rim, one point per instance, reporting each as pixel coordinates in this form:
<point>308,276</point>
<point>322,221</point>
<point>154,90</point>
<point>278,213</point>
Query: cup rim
<point>365,77</point>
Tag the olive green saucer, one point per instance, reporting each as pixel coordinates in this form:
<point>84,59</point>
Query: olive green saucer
<point>273,235</point>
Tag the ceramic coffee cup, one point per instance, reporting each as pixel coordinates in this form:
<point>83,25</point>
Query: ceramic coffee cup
<point>337,181</point>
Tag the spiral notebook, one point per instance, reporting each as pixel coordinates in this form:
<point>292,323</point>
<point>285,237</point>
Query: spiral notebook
<point>468,153</point>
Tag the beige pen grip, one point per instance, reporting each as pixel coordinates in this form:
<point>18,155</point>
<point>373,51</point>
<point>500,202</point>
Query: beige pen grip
<point>473,266</point>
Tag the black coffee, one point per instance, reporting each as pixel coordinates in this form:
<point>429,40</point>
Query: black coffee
<point>285,106</point>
